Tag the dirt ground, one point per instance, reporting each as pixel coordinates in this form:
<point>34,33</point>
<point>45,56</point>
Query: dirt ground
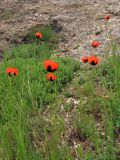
<point>76,20</point>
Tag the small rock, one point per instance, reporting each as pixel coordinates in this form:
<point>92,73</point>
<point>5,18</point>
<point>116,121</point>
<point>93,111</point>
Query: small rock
<point>114,9</point>
<point>70,100</point>
<point>76,102</point>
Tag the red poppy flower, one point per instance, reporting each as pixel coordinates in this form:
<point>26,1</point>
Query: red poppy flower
<point>50,77</point>
<point>93,60</point>
<point>38,35</point>
<point>95,44</point>
<point>12,71</point>
<point>107,17</point>
<point>85,59</point>
<point>50,65</point>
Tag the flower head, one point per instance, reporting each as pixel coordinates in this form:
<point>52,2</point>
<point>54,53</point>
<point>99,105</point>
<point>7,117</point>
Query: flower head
<point>38,35</point>
<point>93,60</point>
<point>85,59</point>
<point>107,17</point>
<point>50,66</point>
<point>12,71</point>
<point>95,44</point>
<point>50,77</point>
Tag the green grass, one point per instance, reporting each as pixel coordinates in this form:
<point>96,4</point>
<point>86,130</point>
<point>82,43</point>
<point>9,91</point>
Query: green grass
<point>27,92</point>
<point>49,35</point>
<point>29,51</point>
<point>38,121</point>
<point>102,108</point>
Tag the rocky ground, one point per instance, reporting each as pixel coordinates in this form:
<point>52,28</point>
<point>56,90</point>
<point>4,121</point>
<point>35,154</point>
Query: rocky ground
<point>76,20</point>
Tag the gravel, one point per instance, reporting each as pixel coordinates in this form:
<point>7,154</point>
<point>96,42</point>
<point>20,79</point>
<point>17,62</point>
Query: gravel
<point>79,20</point>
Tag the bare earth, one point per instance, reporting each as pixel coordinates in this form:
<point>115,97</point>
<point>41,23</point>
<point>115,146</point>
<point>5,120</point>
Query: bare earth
<point>76,20</point>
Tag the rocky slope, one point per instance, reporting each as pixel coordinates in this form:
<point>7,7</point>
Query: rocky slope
<point>76,20</point>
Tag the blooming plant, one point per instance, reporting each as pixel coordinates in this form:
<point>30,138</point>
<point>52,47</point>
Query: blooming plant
<point>12,71</point>
<point>50,65</point>
<point>107,17</point>
<point>50,77</point>
<point>95,44</point>
<point>85,59</point>
<point>38,35</point>
<point>93,60</point>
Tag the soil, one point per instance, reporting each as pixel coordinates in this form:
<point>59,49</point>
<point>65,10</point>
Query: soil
<point>76,20</point>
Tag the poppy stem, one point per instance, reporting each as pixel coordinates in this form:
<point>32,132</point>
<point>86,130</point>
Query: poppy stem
<point>55,89</point>
<point>35,47</point>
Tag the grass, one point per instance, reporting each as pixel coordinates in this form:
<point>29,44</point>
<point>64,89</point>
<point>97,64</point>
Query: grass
<point>29,51</point>
<point>49,35</point>
<point>76,116</point>
<point>99,117</point>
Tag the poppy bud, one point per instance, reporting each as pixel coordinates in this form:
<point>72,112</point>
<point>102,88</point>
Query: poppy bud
<point>50,77</point>
<point>12,71</point>
<point>93,60</point>
<point>107,17</point>
<point>95,44</point>
<point>38,35</point>
<point>85,59</point>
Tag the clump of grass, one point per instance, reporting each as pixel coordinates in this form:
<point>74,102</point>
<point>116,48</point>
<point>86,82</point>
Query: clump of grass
<point>28,51</point>
<point>49,36</point>
<point>32,79</point>
<point>109,77</point>
<point>35,48</point>
<point>27,91</point>
<point>97,115</point>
